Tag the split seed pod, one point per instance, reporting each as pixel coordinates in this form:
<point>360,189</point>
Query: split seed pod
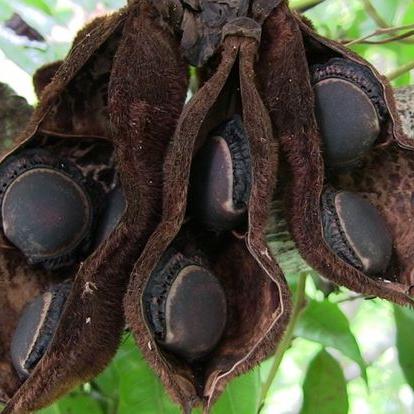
<point>378,163</point>
<point>102,116</point>
<point>256,292</point>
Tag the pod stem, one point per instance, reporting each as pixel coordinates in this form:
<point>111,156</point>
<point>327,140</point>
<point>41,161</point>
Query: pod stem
<point>400,71</point>
<point>373,13</point>
<point>304,5</point>
<point>284,345</point>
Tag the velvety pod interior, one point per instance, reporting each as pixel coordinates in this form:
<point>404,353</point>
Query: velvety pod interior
<point>69,157</point>
<point>247,291</point>
<point>94,162</point>
<point>70,154</point>
<point>214,236</point>
<point>390,189</point>
<point>82,109</point>
<point>365,166</point>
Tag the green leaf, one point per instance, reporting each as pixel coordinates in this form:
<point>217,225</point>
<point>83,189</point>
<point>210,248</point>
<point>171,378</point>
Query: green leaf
<point>325,323</point>
<point>40,5</point>
<point>324,388</point>
<point>404,321</point>
<point>241,396</point>
<point>140,390</point>
<point>6,10</point>
<point>75,403</point>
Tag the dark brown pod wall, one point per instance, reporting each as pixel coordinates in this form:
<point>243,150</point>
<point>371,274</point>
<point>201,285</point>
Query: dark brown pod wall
<point>233,250</point>
<point>96,142</point>
<point>337,165</point>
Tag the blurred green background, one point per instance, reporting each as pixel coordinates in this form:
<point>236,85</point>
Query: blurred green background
<point>344,353</point>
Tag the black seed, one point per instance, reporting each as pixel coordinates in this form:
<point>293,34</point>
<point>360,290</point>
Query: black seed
<point>185,306</point>
<point>350,109</point>
<point>36,327</point>
<point>114,208</point>
<point>355,230</point>
<point>221,178</point>
<point>46,210</point>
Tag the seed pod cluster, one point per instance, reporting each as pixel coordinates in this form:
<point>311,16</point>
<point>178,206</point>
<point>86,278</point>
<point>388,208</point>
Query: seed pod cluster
<point>173,232</point>
<point>77,208</point>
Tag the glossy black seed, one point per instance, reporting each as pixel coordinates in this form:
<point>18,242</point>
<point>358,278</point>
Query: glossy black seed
<point>36,327</point>
<point>46,212</point>
<point>113,211</point>
<point>221,178</point>
<point>356,231</point>
<point>185,307</point>
<point>349,110</point>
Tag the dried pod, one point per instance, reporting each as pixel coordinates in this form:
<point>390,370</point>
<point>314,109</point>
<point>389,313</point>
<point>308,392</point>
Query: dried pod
<point>381,179</point>
<point>256,293</point>
<point>350,109</point>
<point>36,327</point>
<point>221,178</point>
<point>94,114</point>
<point>356,232</point>
<point>185,306</point>
<point>46,209</point>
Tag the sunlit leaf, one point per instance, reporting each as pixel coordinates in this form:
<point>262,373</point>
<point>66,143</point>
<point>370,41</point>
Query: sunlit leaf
<point>404,321</point>
<point>75,403</point>
<point>324,389</point>
<point>241,396</point>
<point>325,323</point>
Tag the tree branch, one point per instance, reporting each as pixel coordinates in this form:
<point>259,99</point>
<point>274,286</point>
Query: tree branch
<point>284,344</point>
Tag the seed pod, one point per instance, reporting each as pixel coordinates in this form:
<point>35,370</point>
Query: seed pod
<point>36,327</point>
<point>350,109</point>
<point>255,291</point>
<point>221,178</point>
<point>355,230</point>
<point>185,306</point>
<point>348,89</point>
<point>46,210</point>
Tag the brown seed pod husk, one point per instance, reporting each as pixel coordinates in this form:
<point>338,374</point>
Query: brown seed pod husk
<point>101,110</point>
<point>289,48</point>
<point>258,302</point>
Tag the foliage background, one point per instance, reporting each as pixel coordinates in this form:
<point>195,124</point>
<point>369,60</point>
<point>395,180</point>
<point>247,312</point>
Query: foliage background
<point>344,354</point>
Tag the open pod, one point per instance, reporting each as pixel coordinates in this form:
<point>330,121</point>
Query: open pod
<point>88,169</point>
<point>348,162</point>
<point>223,133</point>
